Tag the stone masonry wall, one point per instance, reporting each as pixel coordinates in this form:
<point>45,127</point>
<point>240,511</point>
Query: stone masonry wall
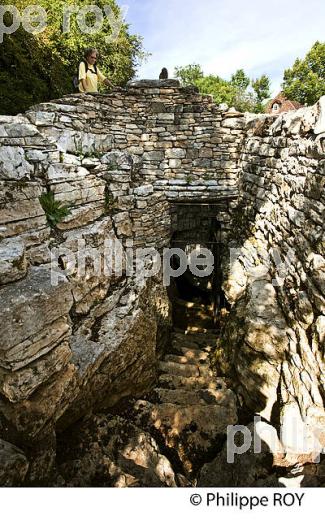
<point>72,343</point>
<point>274,339</point>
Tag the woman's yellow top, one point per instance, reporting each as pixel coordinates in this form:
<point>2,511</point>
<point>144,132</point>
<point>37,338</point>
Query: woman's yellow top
<point>91,77</point>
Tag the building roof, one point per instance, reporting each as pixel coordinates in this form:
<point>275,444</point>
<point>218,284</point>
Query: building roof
<point>282,103</point>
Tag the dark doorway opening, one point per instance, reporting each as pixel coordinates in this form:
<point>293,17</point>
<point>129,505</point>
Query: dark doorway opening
<point>198,300</point>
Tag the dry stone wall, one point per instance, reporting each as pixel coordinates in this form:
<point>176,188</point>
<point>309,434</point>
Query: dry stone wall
<point>274,338</point>
<point>119,161</point>
<point>72,343</point>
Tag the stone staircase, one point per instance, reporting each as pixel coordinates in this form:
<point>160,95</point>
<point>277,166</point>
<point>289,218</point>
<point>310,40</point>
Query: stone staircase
<point>190,408</point>
<point>165,438</point>
<point>193,316</point>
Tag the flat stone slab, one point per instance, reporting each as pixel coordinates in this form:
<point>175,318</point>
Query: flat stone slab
<point>154,83</point>
<point>30,306</point>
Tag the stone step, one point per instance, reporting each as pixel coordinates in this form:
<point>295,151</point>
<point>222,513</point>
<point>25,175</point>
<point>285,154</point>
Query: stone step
<point>197,315</point>
<point>192,353</point>
<point>188,397</point>
<point>177,369</point>
<point>185,369</point>
<point>192,334</point>
<point>179,396</point>
<point>193,305</point>
<point>188,319</point>
<point>183,347</point>
<point>191,430</point>
<point>197,329</point>
<point>189,357</point>
<point>196,337</point>
<point>173,381</point>
<point>184,341</point>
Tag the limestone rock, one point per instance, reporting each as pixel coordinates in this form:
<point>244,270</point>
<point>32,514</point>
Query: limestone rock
<point>235,283</point>
<point>175,153</point>
<point>20,127</point>
<point>190,430</point>
<point>21,212</point>
<point>13,165</point>
<point>87,258</point>
<point>30,416</point>
<point>38,344</point>
<point>316,266</point>
<point>115,350</point>
<point>82,215</point>
<point>320,125</point>
<point>123,225</point>
<point>153,83</point>
<point>13,465</point>
<point>251,468</point>
<point>28,307</point>
<point>144,190</point>
<point>20,384</point>
<point>86,189</point>
<point>74,142</point>
<point>13,265</point>
<point>41,118</point>
<point>266,324</point>
<point>117,160</point>
<point>111,451</point>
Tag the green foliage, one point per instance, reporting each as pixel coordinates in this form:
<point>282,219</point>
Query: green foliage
<point>234,92</point>
<point>94,154</point>
<point>261,87</point>
<point>54,210</point>
<point>221,90</point>
<point>189,75</point>
<point>245,101</point>
<point>37,68</point>
<point>208,176</point>
<point>240,80</point>
<point>305,81</point>
<point>190,178</point>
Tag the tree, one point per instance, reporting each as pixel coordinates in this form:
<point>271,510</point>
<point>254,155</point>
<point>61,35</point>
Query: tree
<point>240,80</point>
<point>221,90</point>
<point>305,81</point>
<point>261,87</point>
<point>243,99</point>
<point>234,92</point>
<point>189,75</point>
<point>39,67</point>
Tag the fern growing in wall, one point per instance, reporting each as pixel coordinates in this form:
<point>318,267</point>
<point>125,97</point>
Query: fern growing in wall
<point>54,210</point>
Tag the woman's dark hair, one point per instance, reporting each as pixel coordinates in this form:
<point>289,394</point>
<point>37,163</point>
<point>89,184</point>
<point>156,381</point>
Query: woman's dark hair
<point>89,51</point>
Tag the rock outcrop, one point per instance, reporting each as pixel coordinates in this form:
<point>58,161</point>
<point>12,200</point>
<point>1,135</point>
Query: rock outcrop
<point>111,452</point>
<point>273,342</point>
<point>88,177</point>
<point>190,408</point>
